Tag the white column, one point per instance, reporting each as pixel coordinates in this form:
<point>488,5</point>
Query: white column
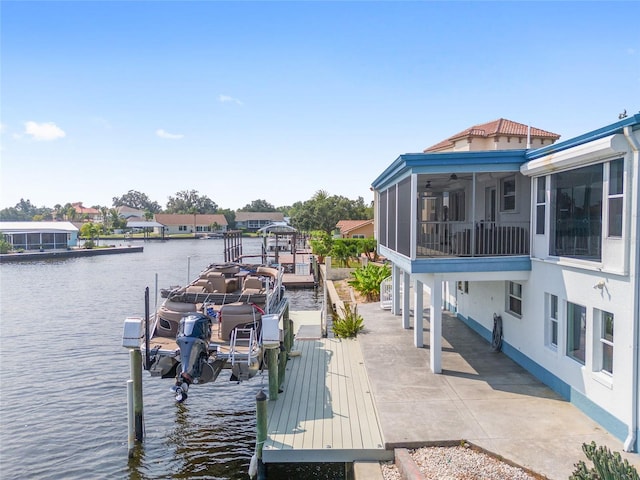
<point>395,286</point>
<point>406,300</point>
<point>435,327</point>
<point>418,294</point>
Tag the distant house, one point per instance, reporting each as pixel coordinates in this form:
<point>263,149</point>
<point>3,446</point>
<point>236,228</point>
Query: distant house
<point>196,224</point>
<point>501,134</point>
<point>128,212</point>
<point>355,228</point>
<point>92,214</point>
<point>39,235</point>
<point>252,221</point>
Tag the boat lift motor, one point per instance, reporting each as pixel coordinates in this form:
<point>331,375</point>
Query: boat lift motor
<point>194,334</point>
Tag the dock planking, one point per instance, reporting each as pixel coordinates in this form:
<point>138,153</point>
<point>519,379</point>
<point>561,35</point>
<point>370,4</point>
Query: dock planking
<point>326,412</point>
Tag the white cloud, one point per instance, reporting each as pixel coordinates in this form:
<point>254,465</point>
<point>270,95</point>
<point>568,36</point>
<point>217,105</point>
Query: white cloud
<point>171,136</point>
<point>43,131</point>
<point>227,98</point>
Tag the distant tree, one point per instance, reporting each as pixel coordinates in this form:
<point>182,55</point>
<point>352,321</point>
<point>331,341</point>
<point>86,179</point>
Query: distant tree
<point>92,231</point>
<point>137,200</point>
<point>323,212</point>
<point>190,201</point>
<point>70,213</point>
<point>258,206</point>
<point>230,216</point>
<point>24,211</point>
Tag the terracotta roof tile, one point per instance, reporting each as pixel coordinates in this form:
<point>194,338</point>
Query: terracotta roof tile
<point>348,225</point>
<point>501,126</point>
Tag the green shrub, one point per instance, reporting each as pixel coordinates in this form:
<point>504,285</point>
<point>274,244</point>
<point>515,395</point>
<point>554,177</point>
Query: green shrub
<point>349,324</point>
<point>607,465</point>
<point>89,244</point>
<point>366,280</point>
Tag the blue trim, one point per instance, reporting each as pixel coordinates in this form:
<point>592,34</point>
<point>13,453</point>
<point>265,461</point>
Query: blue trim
<point>585,138</point>
<point>610,423</point>
<point>471,264</point>
<point>477,161</point>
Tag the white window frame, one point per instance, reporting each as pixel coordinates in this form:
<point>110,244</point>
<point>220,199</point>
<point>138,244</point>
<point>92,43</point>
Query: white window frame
<point>601,342</point>
<point>509,295</point>
<point>613,196</point>
<point>541,205</point>
<point>583,331</point>
<point>552,321</point>
<point>504,196</point>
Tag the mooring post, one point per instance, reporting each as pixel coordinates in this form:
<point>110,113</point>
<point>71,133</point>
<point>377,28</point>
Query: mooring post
<point>282,363</point>
<point>272,365</point>
<point>261,430</point>
<point>131,430</point>
<point>136,376</point>
<point>131,339</point>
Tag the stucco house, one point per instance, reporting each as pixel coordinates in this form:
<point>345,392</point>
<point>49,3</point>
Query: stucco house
<point>93,214</point>
<point>355,228</point>
<point>40,235</point>
<point>253,221</point>
<point>546,239</point>
<point>196,224</point>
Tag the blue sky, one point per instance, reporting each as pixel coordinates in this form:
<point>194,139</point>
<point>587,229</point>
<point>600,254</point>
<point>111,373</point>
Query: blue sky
<point>276,100</point>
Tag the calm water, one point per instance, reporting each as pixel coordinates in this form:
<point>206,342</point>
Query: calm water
<point>63,373</point>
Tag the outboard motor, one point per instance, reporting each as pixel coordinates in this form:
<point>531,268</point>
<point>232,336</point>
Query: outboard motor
<point>194,334</point>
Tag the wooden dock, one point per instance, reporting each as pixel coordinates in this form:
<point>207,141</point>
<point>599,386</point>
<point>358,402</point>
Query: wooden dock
<point>326,412</point>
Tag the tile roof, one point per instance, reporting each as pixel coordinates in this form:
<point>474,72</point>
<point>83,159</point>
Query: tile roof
<point>347,225</point>
<point>189,219</point>
<point>274,216</point>
<point>499,127</point>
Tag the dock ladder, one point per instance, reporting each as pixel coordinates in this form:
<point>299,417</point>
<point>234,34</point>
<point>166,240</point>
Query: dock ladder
<point>241,347</point>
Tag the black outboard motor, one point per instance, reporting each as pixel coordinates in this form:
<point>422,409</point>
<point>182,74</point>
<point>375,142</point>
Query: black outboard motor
<point>194,334</point>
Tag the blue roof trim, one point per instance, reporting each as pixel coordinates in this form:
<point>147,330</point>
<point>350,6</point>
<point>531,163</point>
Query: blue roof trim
<point>479,161</point>
<point>612,129</point>
<point>466,264</point>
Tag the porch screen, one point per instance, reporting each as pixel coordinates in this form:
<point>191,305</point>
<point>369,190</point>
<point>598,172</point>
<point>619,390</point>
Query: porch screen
<point>391,227</point>
<point>382,218</point>
<point>404,217</point>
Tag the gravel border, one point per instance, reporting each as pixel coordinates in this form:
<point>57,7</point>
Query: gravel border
<point>462,462</point>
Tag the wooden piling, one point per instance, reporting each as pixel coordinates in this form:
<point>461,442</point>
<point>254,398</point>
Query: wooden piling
<point>261,430</point>
<point>136,375</point>
<point>272,365</point>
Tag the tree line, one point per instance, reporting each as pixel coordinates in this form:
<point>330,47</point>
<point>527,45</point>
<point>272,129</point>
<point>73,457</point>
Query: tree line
<point>321,212</point>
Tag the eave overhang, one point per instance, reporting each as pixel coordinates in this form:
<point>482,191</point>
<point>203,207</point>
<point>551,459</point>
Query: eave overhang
<point>449,162</point>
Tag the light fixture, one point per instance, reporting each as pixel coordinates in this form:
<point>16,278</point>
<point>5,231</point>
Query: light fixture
<point>453,176</point>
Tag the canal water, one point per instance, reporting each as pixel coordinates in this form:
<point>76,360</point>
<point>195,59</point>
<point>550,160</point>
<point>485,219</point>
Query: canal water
<point>63,374</point>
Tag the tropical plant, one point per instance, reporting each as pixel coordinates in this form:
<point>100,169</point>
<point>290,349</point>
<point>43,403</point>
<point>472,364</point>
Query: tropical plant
<point>5,246</point>
<point>367,279</point>
<point>321,243</point>
<point>349,324</point>
<point>344,249</point>
<point>607,465</point>
<point>369,246</point>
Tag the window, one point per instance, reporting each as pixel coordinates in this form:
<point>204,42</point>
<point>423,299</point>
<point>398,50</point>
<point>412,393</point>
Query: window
<point>576,210</point>
<point>576,331</point>
<point>463,287</point>
<point>514,298</point>
<point>456,206</point>
<point>603,355</point>
<point>552,321</point>
<point>357,235</point>
<point>541,187</point>
<point>616,194</point>
<point>508,190</point>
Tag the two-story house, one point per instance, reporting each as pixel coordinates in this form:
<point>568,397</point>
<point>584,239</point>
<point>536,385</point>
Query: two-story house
<point>545,238</point>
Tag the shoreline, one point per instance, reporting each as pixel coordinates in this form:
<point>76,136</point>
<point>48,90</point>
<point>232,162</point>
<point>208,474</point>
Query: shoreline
<point>37,255</point>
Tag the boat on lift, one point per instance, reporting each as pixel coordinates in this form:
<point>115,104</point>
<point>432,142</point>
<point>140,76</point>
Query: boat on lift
<point>215,322</point>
